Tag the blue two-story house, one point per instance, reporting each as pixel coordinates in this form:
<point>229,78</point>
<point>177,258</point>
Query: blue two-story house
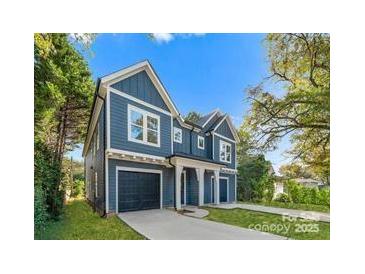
<point>141,154</point>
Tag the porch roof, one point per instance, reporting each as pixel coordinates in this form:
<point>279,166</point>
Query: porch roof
<point>198,160</point>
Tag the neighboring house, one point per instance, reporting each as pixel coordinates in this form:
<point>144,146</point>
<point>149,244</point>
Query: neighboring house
<point>278,188</point>
<point>141,154</point>
<point>308,182</point>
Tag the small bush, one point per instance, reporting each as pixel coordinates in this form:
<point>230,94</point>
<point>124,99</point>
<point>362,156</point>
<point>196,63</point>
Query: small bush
<point>283,197</point>
<point>304,195</point>
<point>40,210</point>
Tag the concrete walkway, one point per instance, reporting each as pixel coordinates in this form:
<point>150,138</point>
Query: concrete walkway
<point>164,224</point>
<point>309,215</point>
<point>196,212</point>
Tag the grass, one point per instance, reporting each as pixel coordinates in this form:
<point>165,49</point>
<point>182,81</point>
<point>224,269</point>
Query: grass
<point>319,208</point>
<point>271,223</point>
<point>79,222</point>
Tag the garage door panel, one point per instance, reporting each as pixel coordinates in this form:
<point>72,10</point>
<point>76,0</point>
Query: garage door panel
<point>138,190</point>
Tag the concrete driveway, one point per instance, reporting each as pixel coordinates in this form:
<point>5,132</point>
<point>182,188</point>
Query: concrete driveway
<point>164,224</point>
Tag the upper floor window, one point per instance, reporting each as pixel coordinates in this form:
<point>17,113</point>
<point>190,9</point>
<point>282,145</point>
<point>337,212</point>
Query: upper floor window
<point>225,151</point>
<point>200,142</point>
<point>177,135</point>
<point>143,126</point>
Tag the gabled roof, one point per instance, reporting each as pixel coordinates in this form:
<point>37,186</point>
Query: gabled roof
<point>134,69</point>
<point>203,121</point>
<point>220,120</point>
<point>106,81</point>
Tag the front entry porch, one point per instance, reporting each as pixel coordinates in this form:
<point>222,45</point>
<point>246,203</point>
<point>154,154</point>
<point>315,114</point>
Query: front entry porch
<point>187,171</point>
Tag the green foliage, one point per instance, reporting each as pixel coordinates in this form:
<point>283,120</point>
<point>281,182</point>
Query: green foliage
<point>193,116</point>
<point>283,197</point>
<point>63,90</point>
<point>40,210</point>
<point>301,63</point>
<point>46,176</point>
<point>306,195</point>
<point>78,188</point>
<point>263,190</point>
<point>255,178</point>
<point>294,170</point>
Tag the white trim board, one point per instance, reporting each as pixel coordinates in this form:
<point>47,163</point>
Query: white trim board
<point>214,112</point>
<point>139,101</point>
<point>132,153</point>
<point>230,124</point>
<point>135,169</point>
<point>224,137</point>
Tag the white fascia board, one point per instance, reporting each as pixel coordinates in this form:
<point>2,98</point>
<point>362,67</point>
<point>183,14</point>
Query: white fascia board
<point>139,101</point>
<point>132,153</point>
<point>230,124</point>
<point>210,117</point>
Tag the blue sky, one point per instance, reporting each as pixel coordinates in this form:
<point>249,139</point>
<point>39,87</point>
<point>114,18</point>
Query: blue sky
<point>200,72</point>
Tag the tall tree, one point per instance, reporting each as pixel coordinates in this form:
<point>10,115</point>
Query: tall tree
<point>294,170</point>
<point>193,116</point>
<point>301,64</point>
<point>63,90</point>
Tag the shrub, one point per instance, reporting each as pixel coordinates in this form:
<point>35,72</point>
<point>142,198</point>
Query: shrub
<point>78,189</point>
<point>40,209</point>
<point>283,197</point>
<point>303,195</point>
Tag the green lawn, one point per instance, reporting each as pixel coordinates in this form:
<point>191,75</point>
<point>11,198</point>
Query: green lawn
<point>320,208</point>
<point>295,229</point>
<point>79,222</point>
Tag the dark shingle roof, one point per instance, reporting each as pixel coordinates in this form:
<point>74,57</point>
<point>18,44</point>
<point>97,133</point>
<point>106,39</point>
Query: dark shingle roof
<point>205,118</point>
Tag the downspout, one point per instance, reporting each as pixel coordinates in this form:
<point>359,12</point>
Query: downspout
<point>104,146</point>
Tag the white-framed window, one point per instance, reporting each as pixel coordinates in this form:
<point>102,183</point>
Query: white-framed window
<point>143,126</point>
<point>225,151</point>
<point>96,184</point>
<point>177,135</point>
<point>200,142</point>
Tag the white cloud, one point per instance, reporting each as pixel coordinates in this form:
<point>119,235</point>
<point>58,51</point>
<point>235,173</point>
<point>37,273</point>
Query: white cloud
<point>167,37</point>
<point>162,37</point>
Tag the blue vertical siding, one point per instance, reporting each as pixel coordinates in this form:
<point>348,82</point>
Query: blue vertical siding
<point>141,87</point>
<point>184,147</point>
<point>167,181</point>
<point>225,130</point>
<point>207,187</point>
<point>95,163</point>
<point>192,187</point>
<point>119,128</point>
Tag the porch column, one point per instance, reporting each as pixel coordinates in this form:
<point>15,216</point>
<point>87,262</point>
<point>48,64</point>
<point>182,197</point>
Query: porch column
<point>216,187</point>
<point>200,176</point>
<point>178,171</point>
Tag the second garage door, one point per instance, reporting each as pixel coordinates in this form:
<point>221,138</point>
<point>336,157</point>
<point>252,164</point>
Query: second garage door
<point>138,190</point>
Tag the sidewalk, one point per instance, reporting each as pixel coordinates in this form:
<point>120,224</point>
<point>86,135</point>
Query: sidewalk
<point>310,215</point>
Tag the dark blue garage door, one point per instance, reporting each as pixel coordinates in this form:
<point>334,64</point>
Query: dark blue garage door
<point>223,195</point>
<point>138,190</point>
